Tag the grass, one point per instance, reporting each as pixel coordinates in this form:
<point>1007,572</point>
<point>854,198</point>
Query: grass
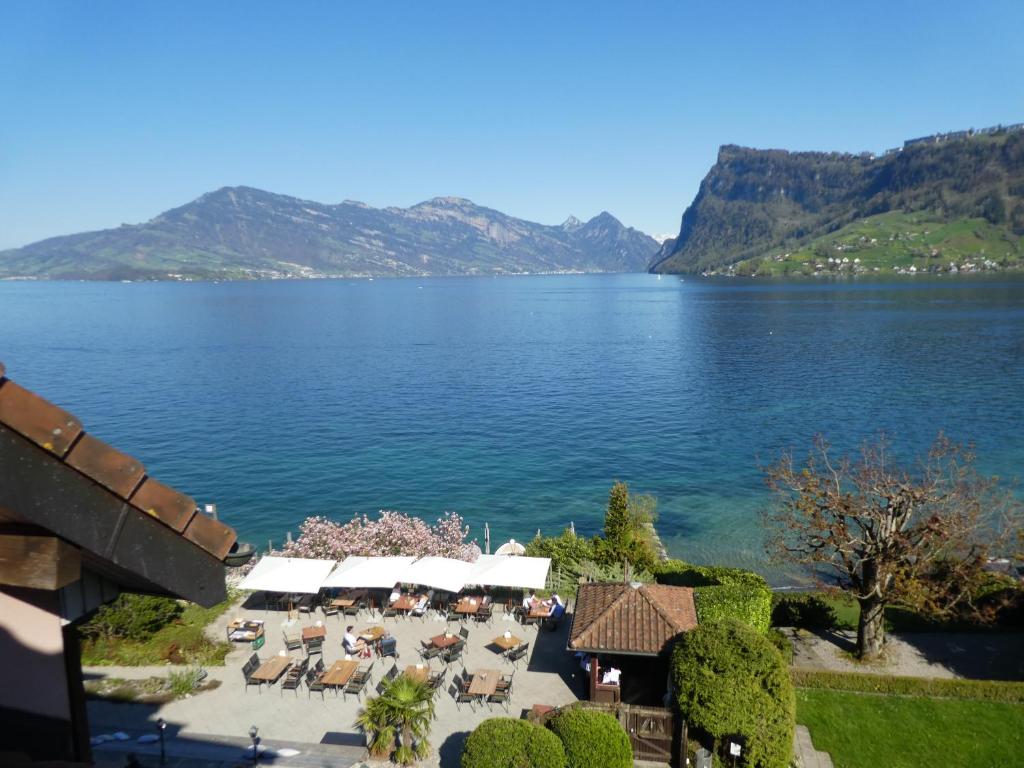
<point>899,619</point>
<point>896,239</point>
<point>866,731</point>
<point>181,642</point>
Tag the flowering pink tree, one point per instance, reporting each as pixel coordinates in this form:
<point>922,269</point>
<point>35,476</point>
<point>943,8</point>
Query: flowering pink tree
<point>391,533</point>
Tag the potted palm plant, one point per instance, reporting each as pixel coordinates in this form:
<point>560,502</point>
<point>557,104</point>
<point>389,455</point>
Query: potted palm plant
<point>399,720</point>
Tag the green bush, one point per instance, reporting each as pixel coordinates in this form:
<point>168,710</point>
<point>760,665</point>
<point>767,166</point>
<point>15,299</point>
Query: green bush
<point>592,739</point>
<point>731,680</point>
<point>751,605</point>
<point>783,643</point>
<point>805,611</point>
<point>680,574</point>
<point>504,742</point>
<point>132,617</point>
<point>856,682</point>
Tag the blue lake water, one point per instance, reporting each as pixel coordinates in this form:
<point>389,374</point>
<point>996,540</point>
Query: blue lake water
<point>518,401</point>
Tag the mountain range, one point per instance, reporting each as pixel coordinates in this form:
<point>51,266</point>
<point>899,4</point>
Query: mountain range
<point>241,232</point>
<point>940,203</point>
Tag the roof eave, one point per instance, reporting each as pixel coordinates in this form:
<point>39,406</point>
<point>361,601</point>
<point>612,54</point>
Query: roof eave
<point>42,490</point>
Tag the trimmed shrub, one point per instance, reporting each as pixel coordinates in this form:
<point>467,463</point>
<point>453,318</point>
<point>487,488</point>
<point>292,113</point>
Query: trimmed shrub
<point>132,617</point>
<point>592,739</point>
<point>504,742</point>
<point>857,682</point>
<point>731,680</point>
<point>783,643</point>
<point>680,574</point>
<point>804,611</point>
<point>751,605</point>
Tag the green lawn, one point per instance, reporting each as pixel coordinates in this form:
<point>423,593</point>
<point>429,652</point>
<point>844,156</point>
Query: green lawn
<point>867,731</point>
<point>181,642</point>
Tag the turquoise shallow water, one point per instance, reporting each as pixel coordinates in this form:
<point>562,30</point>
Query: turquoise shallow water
<point>518,400</point>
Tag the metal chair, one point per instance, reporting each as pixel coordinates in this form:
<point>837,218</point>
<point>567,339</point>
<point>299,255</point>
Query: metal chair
<point>429,652</point>
<point>516,655</point>
<point>454,653</point>
<point>392,673</point>
<point>315,645</point>
<point>328,609</point>
<point>357,684</point>
<point>251,666</point>
<point>501,696</point>
<point>484,614</point>
<point>464,633</point>
<point>461,697</point>
<point>313,684</point>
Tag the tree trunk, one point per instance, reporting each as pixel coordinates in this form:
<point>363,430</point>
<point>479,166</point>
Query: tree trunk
<point>871,627</point>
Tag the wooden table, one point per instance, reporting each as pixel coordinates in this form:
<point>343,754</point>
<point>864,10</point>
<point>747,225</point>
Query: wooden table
<point>484,683</point>
<point>272,669</point>
<point>444,641</point>
<point>372,634</point>
<point>507,643</point>
<point>343,602</point>
<point>405,602</point>
<point>339,673</point>
<point>540,611</point>
<point>420,673</point>
<point>245,630</point>
<point>464,605</point>
<point>311,633</point>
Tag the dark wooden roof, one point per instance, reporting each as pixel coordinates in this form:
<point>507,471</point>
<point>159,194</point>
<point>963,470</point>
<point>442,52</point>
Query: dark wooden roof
<point>60,478</point>
<point>626,618</point>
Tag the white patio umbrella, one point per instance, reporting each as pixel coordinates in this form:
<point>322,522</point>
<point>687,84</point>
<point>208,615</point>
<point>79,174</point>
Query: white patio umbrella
<point>508,571</point>
<point>288,574</point>
<point>511,547</point>
<point>369,572</point>
<point>438,572</point>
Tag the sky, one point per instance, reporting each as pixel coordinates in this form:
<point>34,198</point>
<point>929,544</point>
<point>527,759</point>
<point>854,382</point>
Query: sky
<point>113,112</point>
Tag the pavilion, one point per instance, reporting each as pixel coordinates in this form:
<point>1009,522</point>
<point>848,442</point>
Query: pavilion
<point>630,627</point>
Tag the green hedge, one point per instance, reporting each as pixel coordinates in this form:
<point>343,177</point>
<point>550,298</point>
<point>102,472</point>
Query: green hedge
<point>132,617</point>
<point>680,574</point>
<point>592,739</point>
<point>855,682</point>
<point>807,611</point>
<point>504,742</point>
<point>731,680</point>
<point>782,643</point>
<point>751,605</point>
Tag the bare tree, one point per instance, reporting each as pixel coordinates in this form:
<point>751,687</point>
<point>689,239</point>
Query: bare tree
<point>886,535</point>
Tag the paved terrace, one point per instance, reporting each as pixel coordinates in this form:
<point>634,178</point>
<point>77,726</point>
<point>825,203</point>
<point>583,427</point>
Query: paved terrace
<point>550,677</point>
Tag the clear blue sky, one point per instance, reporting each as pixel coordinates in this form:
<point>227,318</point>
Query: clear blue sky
<point>113,112</point>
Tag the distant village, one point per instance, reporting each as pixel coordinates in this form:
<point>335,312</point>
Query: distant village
<point>940,138</point>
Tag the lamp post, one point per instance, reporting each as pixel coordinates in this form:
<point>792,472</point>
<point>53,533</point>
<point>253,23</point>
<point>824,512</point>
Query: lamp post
<point>254,735</point>
<point>161,726</point>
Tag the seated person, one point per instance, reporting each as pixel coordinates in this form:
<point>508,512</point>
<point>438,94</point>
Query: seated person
<point>584,660</point>
<point>395,593</point>
<point>421,605</point>
<point>529,600</point>
<point>611,676</point>
<point>353,645</point>
<point>557,607</point>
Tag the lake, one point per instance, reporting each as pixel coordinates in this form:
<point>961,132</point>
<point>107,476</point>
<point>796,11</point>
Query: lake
<point>519,400</point>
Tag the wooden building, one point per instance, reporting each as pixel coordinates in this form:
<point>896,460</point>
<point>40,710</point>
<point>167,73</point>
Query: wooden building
<point>80,522</point>
<point>631,627</point>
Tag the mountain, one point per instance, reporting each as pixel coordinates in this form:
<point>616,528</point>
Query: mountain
<point>779,212</point>
<point>240,232</point>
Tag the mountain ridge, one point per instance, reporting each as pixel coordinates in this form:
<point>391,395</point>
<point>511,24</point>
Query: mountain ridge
<point>759,203</point>
<point>245,232</point>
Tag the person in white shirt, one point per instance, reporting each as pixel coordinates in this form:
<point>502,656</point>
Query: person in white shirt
<point>611,676</point>
<point>529,601</point>
<point>557,606</point>
<point>395,593</point>
<point>351,643</point>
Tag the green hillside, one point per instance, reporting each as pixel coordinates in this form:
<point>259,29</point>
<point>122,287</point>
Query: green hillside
<point>948,197</point>
<point>896,242</point>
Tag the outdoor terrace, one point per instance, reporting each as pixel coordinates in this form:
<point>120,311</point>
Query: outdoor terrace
<point>547,675</point>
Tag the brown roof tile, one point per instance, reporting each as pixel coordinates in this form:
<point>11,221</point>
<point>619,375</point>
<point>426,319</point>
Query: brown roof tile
<point>42,422</point>
<point>616,617</point>
<point>164,503</point>
<point>212,536</point>
<point>58,432</point>
<point>112,469</point>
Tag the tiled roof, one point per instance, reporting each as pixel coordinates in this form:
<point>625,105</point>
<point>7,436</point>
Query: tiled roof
<point>61,435</point>
<point>622,618</point>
